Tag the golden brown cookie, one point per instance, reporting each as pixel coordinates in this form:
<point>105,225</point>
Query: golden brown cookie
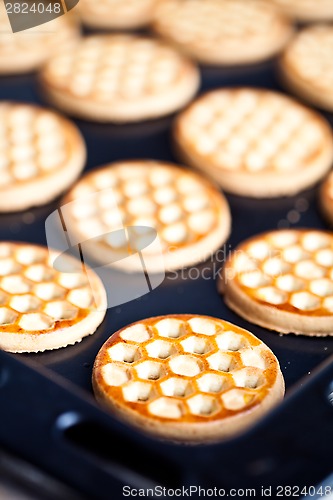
<point>255,142</point>
<point>42,153</point>
<point>42,308</point>
<point>326,198</point>
<point>283,280</point>
<point>187,378</point>
<point>116,14</point>
<point>27,50</point>
<point>223,31</point>
<point>190,215</point>
<point>120,78</point>
<point>307,65</point>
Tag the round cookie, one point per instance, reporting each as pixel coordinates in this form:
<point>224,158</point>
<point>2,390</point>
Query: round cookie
<point>27,50</point>
<point>191,217</point>
<point>255,142</point>
<point>116,14</point>
<point>42,308</point>
<point>283,280</point>
<point>307,66</point>
<point>120,78</point>
<point>42,153</point>
<point>223,32</point>
<point>326,198</point>
<point>188,378</point>
<point>307,10</point>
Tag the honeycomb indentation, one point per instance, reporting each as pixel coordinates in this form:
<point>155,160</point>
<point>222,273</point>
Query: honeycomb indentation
<point>35,322</point>
<point>236,399</point>
<point>160,349</point>
<point>171,328</point>
<point>7,316</point>
<point>49,291</point>
<point>185,365</point>
<point>15,284</point>
<point>135,333</point>
<point>305,301</point>
<point>39,272</point>
<point>114,375</point>
<point>9,266</point>
<point>61,310</point>
<point>203,405</point>
<point>166,408</point>
<point>124,352</point>
<point>176,387</point>
<point>196,345</point>
<point>249,377</point>
<point>149,370</point>
<point>137,392</point>
<point>211,383</point>
<point>230,341</point>
<point>25,303</point>
<point>81,297</point>
<point>203,326</point>
<point>221,362</point>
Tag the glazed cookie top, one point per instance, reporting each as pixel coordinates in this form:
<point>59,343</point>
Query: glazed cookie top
<point>239,29</point>
<point>309,57</point>
<point>185,369</point>
<point>35,143</point>
<point>290,270</point>
<point>117,68</point>
<point>37,299</point>
<point>252,130</point>
<point>183,207</point>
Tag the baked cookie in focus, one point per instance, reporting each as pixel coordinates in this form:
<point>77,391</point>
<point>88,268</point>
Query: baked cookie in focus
<point>120,78</point>
<point>191,217</point>
<point>42,308</point>
<point>223,32</point>
<point>255,142</point>
<point>42,153</point>
<point>283,280</point>
<point>188,378</point>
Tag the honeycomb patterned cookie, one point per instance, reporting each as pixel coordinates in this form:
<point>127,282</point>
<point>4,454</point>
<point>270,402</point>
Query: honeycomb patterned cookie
<point>307,65</point>
<point>255,142</point>
<point>120,78</point>
<point>41,154</point>
<point>223,31</point>
<point>283,280</point>
<point>307,10</point>
<point>187,377</point>
<point>27,50</point>
<point>42,308</point>
<point>119,14</point>
<point>326,198</point>
<point>190,215</point>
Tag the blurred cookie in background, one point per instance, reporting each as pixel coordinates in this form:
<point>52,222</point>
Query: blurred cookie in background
<point>27,50</point>
<point>307,65</point>
<point>41,154</point>
<point>223,32</point>
<point>116,14</point>
<point>191,217</point>
<point>326,199</point>
<point>120,78</point>
<point>307,10</point>
<point>255,142</point>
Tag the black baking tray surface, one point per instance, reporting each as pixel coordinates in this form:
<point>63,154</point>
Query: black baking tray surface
<point>94,452</point>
